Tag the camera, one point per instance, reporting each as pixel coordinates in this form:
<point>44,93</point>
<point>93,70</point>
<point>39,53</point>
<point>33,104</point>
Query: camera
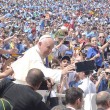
<point>43,86</point>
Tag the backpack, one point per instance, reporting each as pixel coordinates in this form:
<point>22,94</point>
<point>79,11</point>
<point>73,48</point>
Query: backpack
<point>5,105</point>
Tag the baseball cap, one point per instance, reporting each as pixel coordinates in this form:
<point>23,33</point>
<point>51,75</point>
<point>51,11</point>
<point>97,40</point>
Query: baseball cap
<point>33,30</point>
<point>65,57</point>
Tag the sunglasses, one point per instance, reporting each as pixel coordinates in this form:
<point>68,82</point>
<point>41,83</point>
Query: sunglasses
<point>102,37</point>
<point>107,73</point>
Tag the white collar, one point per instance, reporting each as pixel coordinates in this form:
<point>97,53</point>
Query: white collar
<point>68,106</point>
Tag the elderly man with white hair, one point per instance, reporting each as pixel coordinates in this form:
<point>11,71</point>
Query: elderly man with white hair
<point>34,58</point>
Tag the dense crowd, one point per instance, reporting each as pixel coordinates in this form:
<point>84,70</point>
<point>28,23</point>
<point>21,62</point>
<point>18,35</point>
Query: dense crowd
<point>63,33</point>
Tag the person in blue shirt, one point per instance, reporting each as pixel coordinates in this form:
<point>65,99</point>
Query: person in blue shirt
<point>76,82</point>
<point>96,53</point>
<point>32,36</point>
<point>21,48</point>
<point>104,83</point>
<point>42,23</point>
<point>92,33</point>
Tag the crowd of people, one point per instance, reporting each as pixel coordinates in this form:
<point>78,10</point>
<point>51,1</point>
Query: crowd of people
<point>41,41</point>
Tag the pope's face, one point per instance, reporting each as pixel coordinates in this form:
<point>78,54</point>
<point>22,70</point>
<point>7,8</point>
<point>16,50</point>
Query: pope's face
<point>46,47</point>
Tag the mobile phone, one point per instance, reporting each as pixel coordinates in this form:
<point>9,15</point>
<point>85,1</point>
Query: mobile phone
<point>43,85</point>
<point>103,72</point>
<point>85,66</point>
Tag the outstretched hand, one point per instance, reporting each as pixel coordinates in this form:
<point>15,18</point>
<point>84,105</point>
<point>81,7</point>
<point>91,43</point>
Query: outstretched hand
<point>13,51</point>
<point>50,83</point>
<point>68,69</point>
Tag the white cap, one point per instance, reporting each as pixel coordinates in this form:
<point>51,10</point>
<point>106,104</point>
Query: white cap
<point>96,19</point>
<point>45,36</point>
<point>73,15</point>
<point>64,28</point>
<point>50,13</point>
<point>83,33</point>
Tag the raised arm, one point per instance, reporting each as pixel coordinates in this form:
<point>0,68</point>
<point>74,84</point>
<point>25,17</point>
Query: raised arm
<point>105,46</point>
<point>6,73</point>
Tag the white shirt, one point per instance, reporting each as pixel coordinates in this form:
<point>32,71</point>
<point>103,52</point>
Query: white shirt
<point>67,106</point>
<point>32,59</point>
<point>87,86</point>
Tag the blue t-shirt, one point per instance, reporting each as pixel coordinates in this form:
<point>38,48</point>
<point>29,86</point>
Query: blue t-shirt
<point>74,83</point>
<point>21,48</point>
<point>91,53</point>
<point>103,85</point>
